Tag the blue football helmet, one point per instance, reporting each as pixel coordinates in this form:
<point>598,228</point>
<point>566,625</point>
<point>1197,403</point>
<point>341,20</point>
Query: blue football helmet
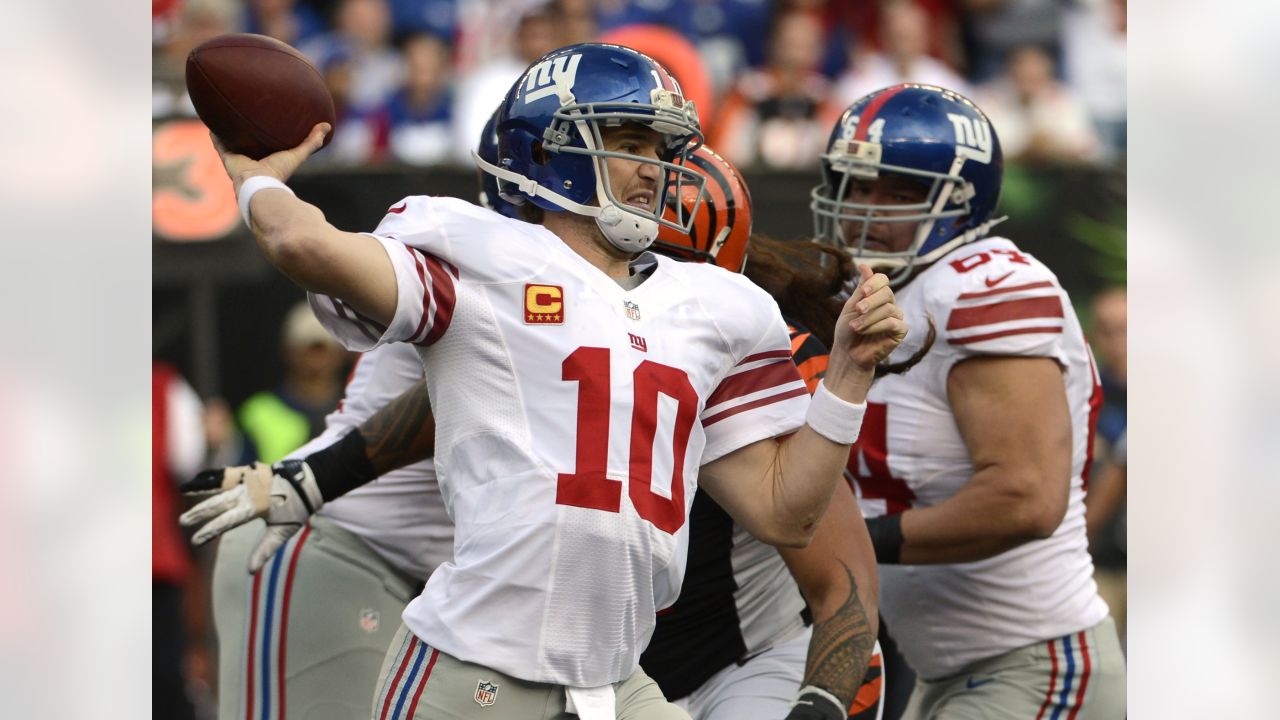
<point>925,133</point>
<point>551,146</point>
<point>487,149</point>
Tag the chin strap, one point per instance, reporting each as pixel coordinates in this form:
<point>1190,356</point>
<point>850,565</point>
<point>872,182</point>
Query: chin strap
<point>612,221</point>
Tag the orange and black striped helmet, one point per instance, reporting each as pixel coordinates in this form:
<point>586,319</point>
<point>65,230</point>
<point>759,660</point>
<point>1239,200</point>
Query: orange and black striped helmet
<point>722,224</point>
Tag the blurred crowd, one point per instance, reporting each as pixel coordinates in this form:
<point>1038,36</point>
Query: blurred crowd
<point>414,80</point>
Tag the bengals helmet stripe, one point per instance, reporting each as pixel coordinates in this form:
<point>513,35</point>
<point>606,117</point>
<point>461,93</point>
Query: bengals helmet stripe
<point>721,224</point>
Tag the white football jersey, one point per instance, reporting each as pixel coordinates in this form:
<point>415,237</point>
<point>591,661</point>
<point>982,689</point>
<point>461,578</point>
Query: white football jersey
<point>986,298</point>
<point>400,514</point>
<point>572,417</point>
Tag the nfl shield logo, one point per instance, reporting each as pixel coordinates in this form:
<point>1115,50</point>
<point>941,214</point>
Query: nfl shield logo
<point>369,621</point>
<point>633,310</point>
<point>486,693</point>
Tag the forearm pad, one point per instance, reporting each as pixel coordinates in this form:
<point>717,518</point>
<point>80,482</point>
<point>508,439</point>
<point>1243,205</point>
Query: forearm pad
<point>341,467</point>
<point>886,537</point>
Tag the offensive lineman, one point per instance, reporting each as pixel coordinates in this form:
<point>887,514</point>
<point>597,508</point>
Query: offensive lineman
<point>557,400</point>
<point>971,467</point>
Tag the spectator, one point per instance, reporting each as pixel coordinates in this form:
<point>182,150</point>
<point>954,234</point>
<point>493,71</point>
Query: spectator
<point>362,30</point>
<point>360,134</point>
<point>177,451</point>
<point>482,89</point>
<point>285,20</point>
<point>1105,520</point>
<point>277,421</point>
<point>178,31</point>
<point>862,23</point>
<point>575,21</point>
<point>993,28</point>
<point>1094,57</point>
<point>905,36</point>
<point>1106,513</point>
<point>1038,119</point>
<point>1110,337</point>
<point>771,116</point>
<point>438,17</point>
<point>419,115</point>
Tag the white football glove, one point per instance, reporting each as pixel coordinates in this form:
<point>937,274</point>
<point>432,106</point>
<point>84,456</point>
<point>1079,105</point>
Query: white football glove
<point>284,495</point>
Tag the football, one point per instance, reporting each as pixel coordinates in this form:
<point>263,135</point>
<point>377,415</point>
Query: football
<point>257,94</point>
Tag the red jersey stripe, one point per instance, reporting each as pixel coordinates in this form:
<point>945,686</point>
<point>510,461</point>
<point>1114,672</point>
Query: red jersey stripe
<point>754,404</point>
<point>1095,409</point>
<point>1002,333</point>
<point>1003,290</point>
<point>1026,309</point>
<point>754,380</point>
<point>426,293</point>
<point>765,356</point>
<point>445,297</point>
<point>343,311</point>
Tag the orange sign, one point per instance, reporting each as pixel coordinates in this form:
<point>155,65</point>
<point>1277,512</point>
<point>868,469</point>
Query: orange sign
<point>543,304</point>
<point>191,196</point>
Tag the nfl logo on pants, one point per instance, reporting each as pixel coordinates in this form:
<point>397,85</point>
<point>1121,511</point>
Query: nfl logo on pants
<point>486,693</point>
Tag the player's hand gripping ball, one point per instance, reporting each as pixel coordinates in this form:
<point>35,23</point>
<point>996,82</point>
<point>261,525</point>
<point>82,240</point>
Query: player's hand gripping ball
<point>257,94</point>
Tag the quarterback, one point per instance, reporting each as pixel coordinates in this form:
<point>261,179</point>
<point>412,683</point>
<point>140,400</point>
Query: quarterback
<point>583,389</point>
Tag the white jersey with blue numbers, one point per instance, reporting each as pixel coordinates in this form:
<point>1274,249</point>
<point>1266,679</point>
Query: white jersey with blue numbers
<point>572,417</point>
<point>987,298</point>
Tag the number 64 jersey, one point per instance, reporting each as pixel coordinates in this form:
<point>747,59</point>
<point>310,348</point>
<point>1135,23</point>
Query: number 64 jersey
<point>987,299</point>
<point>572,417</point>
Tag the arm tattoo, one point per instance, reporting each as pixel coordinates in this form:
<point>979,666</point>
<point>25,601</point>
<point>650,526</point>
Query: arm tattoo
<point>841,648</point>
<point>401,433</point>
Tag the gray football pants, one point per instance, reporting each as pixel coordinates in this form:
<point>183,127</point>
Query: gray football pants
<point>305,636</point>
<point>1079,676</point>
<point>418,682</point>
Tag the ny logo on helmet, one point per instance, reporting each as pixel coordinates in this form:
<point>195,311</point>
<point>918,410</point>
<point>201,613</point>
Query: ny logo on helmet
<point>548,75</point>
<point>973,137</point>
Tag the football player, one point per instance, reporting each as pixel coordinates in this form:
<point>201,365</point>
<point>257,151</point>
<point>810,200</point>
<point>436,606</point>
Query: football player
<point>582,389</point>
<point>972,466</point>
<point>733,646</point>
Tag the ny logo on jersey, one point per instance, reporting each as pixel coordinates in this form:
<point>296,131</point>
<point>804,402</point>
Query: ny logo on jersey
<point>973,137</point>
<point>543,304</point>
<point>486,693</point>
<point>544,78</point>
<point>638,342</point>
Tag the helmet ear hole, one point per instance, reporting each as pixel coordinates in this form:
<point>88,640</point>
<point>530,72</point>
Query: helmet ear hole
<point>539,153</point>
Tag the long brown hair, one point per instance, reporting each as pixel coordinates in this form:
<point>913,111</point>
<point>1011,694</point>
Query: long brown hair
<point>806,279</point>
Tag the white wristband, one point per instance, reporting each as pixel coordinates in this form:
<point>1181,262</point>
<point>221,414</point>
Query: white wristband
<point>253,185</point>
<point>833,418</point>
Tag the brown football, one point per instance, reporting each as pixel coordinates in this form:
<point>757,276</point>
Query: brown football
<point>257,94</point>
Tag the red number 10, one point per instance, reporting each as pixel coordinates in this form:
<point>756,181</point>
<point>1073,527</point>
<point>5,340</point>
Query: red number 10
<point>588,486</point>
